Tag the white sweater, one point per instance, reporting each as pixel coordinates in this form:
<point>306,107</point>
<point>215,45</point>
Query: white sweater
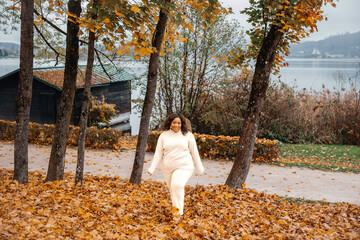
<point>174,151</point>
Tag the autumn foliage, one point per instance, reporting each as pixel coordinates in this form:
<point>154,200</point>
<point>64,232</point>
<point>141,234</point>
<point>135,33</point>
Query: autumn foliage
<point>112,208</point>
<point>225,147</point>
<point>100,112</point>
<point>294,19</point>
<point>43,134</point>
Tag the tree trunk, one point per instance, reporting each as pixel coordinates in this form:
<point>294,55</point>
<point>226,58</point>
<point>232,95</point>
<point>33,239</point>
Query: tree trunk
<point>85,105</point>
<point>260,84</point>
<point>183,77</point>
<point>149,99</point>
<point>57,163</point>
<point>168,99</point>
<point>21,170</point>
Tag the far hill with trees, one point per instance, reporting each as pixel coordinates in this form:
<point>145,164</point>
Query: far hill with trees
<point>9,49</point>
<point>340,46</point>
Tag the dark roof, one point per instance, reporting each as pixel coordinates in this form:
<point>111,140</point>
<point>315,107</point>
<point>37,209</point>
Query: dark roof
<point>54,76</point>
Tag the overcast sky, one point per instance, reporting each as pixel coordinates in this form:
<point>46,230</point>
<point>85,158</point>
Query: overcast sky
<point>342,19</point>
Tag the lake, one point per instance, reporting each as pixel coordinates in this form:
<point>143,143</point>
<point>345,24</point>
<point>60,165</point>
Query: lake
<point>313,73</point>
<point>301,73</point>
<point>8,65</point>
<point>304,73</point>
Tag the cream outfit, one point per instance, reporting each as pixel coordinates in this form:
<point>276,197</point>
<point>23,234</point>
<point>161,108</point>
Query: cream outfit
<point>177,154</point>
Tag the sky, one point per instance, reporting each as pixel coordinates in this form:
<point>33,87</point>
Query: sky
<point>345,18</point>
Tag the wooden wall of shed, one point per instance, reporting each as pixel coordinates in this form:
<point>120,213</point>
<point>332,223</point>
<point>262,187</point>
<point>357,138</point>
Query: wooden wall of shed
<point>43,103</point>
<point>8,92</point>
<point>118,93</point>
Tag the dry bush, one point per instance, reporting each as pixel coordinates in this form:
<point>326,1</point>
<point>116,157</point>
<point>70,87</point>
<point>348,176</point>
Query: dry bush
<point>280,113</point>
<point>330,117</point>
<point>100,112</point>
<point>306,116</point>
<point>224,112</point>
<point>224,147</point>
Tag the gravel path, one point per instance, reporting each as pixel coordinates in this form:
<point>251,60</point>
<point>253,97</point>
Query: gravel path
<point>283,181</point>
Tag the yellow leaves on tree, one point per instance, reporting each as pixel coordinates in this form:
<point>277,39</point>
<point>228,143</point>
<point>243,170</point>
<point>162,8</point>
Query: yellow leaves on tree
<point>135,8</point>
<point>177,19</point>
<point>106,20</point>
<point>296,19</point>
<point>113,208</point>
<point>118,20</point>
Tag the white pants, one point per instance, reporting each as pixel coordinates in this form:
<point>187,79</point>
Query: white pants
<point>176,182</point>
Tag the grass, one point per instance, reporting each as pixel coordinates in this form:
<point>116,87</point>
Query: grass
<point>343,158</point>
<point>298,201</point>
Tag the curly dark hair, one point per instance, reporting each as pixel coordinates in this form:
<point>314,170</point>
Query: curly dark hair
<point>171,117</point>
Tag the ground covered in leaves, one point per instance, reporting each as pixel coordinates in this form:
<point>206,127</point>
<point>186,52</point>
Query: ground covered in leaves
<point>112,208</point>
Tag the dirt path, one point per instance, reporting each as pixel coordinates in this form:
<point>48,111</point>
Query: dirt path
<point>283,181</point>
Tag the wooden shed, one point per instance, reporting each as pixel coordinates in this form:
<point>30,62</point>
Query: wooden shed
<point>114,85</point>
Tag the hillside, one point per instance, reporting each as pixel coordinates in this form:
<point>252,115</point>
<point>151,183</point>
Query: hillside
<point>9,49</point>
<point>339,46</point>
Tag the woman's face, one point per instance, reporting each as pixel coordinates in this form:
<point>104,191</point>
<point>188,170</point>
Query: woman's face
<point>176,125</point>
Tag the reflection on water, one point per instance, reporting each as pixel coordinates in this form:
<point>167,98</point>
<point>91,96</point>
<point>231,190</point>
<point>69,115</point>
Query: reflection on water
<point>8,65</point>
<point>313,73</point>
<point>323,63</point>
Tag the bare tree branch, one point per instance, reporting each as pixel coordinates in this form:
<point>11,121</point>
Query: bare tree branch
<point>101,64</point>
<point>50,46</point>
<point>49,22</point>
<point>81,41</point>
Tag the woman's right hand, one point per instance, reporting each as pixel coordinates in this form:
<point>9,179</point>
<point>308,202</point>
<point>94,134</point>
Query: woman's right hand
<point>201,170</point>
<point>150,171</point>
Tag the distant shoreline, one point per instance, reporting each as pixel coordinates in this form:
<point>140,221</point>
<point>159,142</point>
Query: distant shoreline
<point>12,57</point>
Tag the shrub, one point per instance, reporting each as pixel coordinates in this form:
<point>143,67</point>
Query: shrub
<point>104,138</point>
<point>225,110</point>
<point>7,130</point>
<point>100,113</point>
<point>224,147</point>
<point>43,134</point>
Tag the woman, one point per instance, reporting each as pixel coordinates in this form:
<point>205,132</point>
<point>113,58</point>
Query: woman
<point>177,152</point>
